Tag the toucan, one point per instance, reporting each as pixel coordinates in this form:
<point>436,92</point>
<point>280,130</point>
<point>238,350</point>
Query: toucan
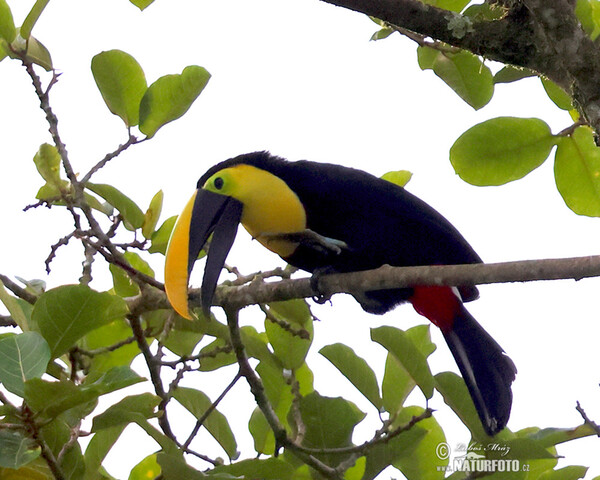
<point>326,218</point>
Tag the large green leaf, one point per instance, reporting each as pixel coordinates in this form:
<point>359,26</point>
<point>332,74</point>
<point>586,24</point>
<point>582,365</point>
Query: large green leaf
<point>16,449</point>
<point>288,345</point>
<point>170,97</point>
<point>99,447</point>
<point>121,82</point>
<point>355,369</point>
<point>22,357</point>
<point>577,172</point>
<point>50,399</point>
<point>501,150</point>
<point>198,403</point>
<point>173,467</point>
<point>329,422</point>
<point>265,469</point>
<point>455,393</point>
<point>108,336</point>
<point>131,213</point>
<point>418,464</point>
<point>134,408</point>
<point>463,72</point>
<point>399,344</point>
<point>65,314</point>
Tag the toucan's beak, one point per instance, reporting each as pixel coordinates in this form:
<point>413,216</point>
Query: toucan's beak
<point>205,213</point>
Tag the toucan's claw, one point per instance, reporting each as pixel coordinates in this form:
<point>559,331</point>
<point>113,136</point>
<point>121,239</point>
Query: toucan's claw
<point>309,238</point>
<point>315,278</point>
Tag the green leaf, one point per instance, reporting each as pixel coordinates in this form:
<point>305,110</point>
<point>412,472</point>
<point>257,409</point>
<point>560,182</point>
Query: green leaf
<point>560,98</point>
<point>134,408</point>
<point>22,357</point>
<point>398,177</point>
<point>381,34</point>
<point>510,74</point>
<point>121,82</point>
<point>32,18</point>
<point>329,422</point>
<point>198,404</point>
<point>553,436</point>
<point>289,346</point>
<point>452,5</point>
<point>105,337</point>
<point>501,150</point>
<point>173,466</point>
<point>14,308</point>
<point>356,471</point>
<point>38,54</point>
<point>152,215</point>
<point>464,72</point>
<point>131,213</point>
<point>170,97</point>
<point>47,162</point>
<point>16,450</point>
<point>418,463</point>
<point>50,399</point>
<point>160,238</point>
<point>267,469</point>
<point>399,344</point>
<point>146,469</point>
<point>455,393</point>
<point>7,25</point>
<point>355,369</point>
<point>577,172</point>
<point>588,13</point>
<point>142,4</point>
<point>99,447</point>
<point>65,314</point>
<point>388,453</point>
<point>572,472</point>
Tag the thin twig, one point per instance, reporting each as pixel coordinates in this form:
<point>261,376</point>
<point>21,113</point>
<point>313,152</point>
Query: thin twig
<point>209,410</point>
<point>587,420</point>
<point>132,140</point>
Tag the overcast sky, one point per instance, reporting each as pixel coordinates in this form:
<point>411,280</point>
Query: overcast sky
<point>302,80</point>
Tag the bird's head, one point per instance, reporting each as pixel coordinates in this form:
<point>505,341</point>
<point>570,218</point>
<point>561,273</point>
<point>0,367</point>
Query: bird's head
<point>229,193</point>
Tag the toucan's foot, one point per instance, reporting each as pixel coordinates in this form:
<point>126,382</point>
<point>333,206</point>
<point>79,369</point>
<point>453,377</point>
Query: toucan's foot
<point>311,239</point>
<point>320,297</point>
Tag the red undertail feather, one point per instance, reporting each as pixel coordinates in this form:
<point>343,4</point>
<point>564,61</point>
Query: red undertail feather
<point>488,372</point>
<point>438,304</point>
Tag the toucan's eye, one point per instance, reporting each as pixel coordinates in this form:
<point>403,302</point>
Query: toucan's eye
<point>218,183</point>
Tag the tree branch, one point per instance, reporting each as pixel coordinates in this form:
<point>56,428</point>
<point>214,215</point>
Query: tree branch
<point>542,35</point>
<point>398,277</point>
<point>574,268</point>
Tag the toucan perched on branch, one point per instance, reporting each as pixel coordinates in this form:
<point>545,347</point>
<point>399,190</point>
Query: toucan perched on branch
<point>329,218</point>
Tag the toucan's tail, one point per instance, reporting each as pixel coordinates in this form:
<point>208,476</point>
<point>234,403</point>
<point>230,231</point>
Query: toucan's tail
<point>485,368</point>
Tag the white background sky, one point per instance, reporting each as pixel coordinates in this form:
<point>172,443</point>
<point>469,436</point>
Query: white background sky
<point>302,80</point>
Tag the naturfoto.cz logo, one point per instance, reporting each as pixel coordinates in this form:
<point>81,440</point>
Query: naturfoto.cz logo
<point>472,461</point>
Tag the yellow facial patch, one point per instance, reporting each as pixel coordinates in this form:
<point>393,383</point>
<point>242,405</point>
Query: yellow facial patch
<point>270,206</point>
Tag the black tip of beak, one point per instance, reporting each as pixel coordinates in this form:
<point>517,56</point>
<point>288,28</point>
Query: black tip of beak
<point>219,215</point>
